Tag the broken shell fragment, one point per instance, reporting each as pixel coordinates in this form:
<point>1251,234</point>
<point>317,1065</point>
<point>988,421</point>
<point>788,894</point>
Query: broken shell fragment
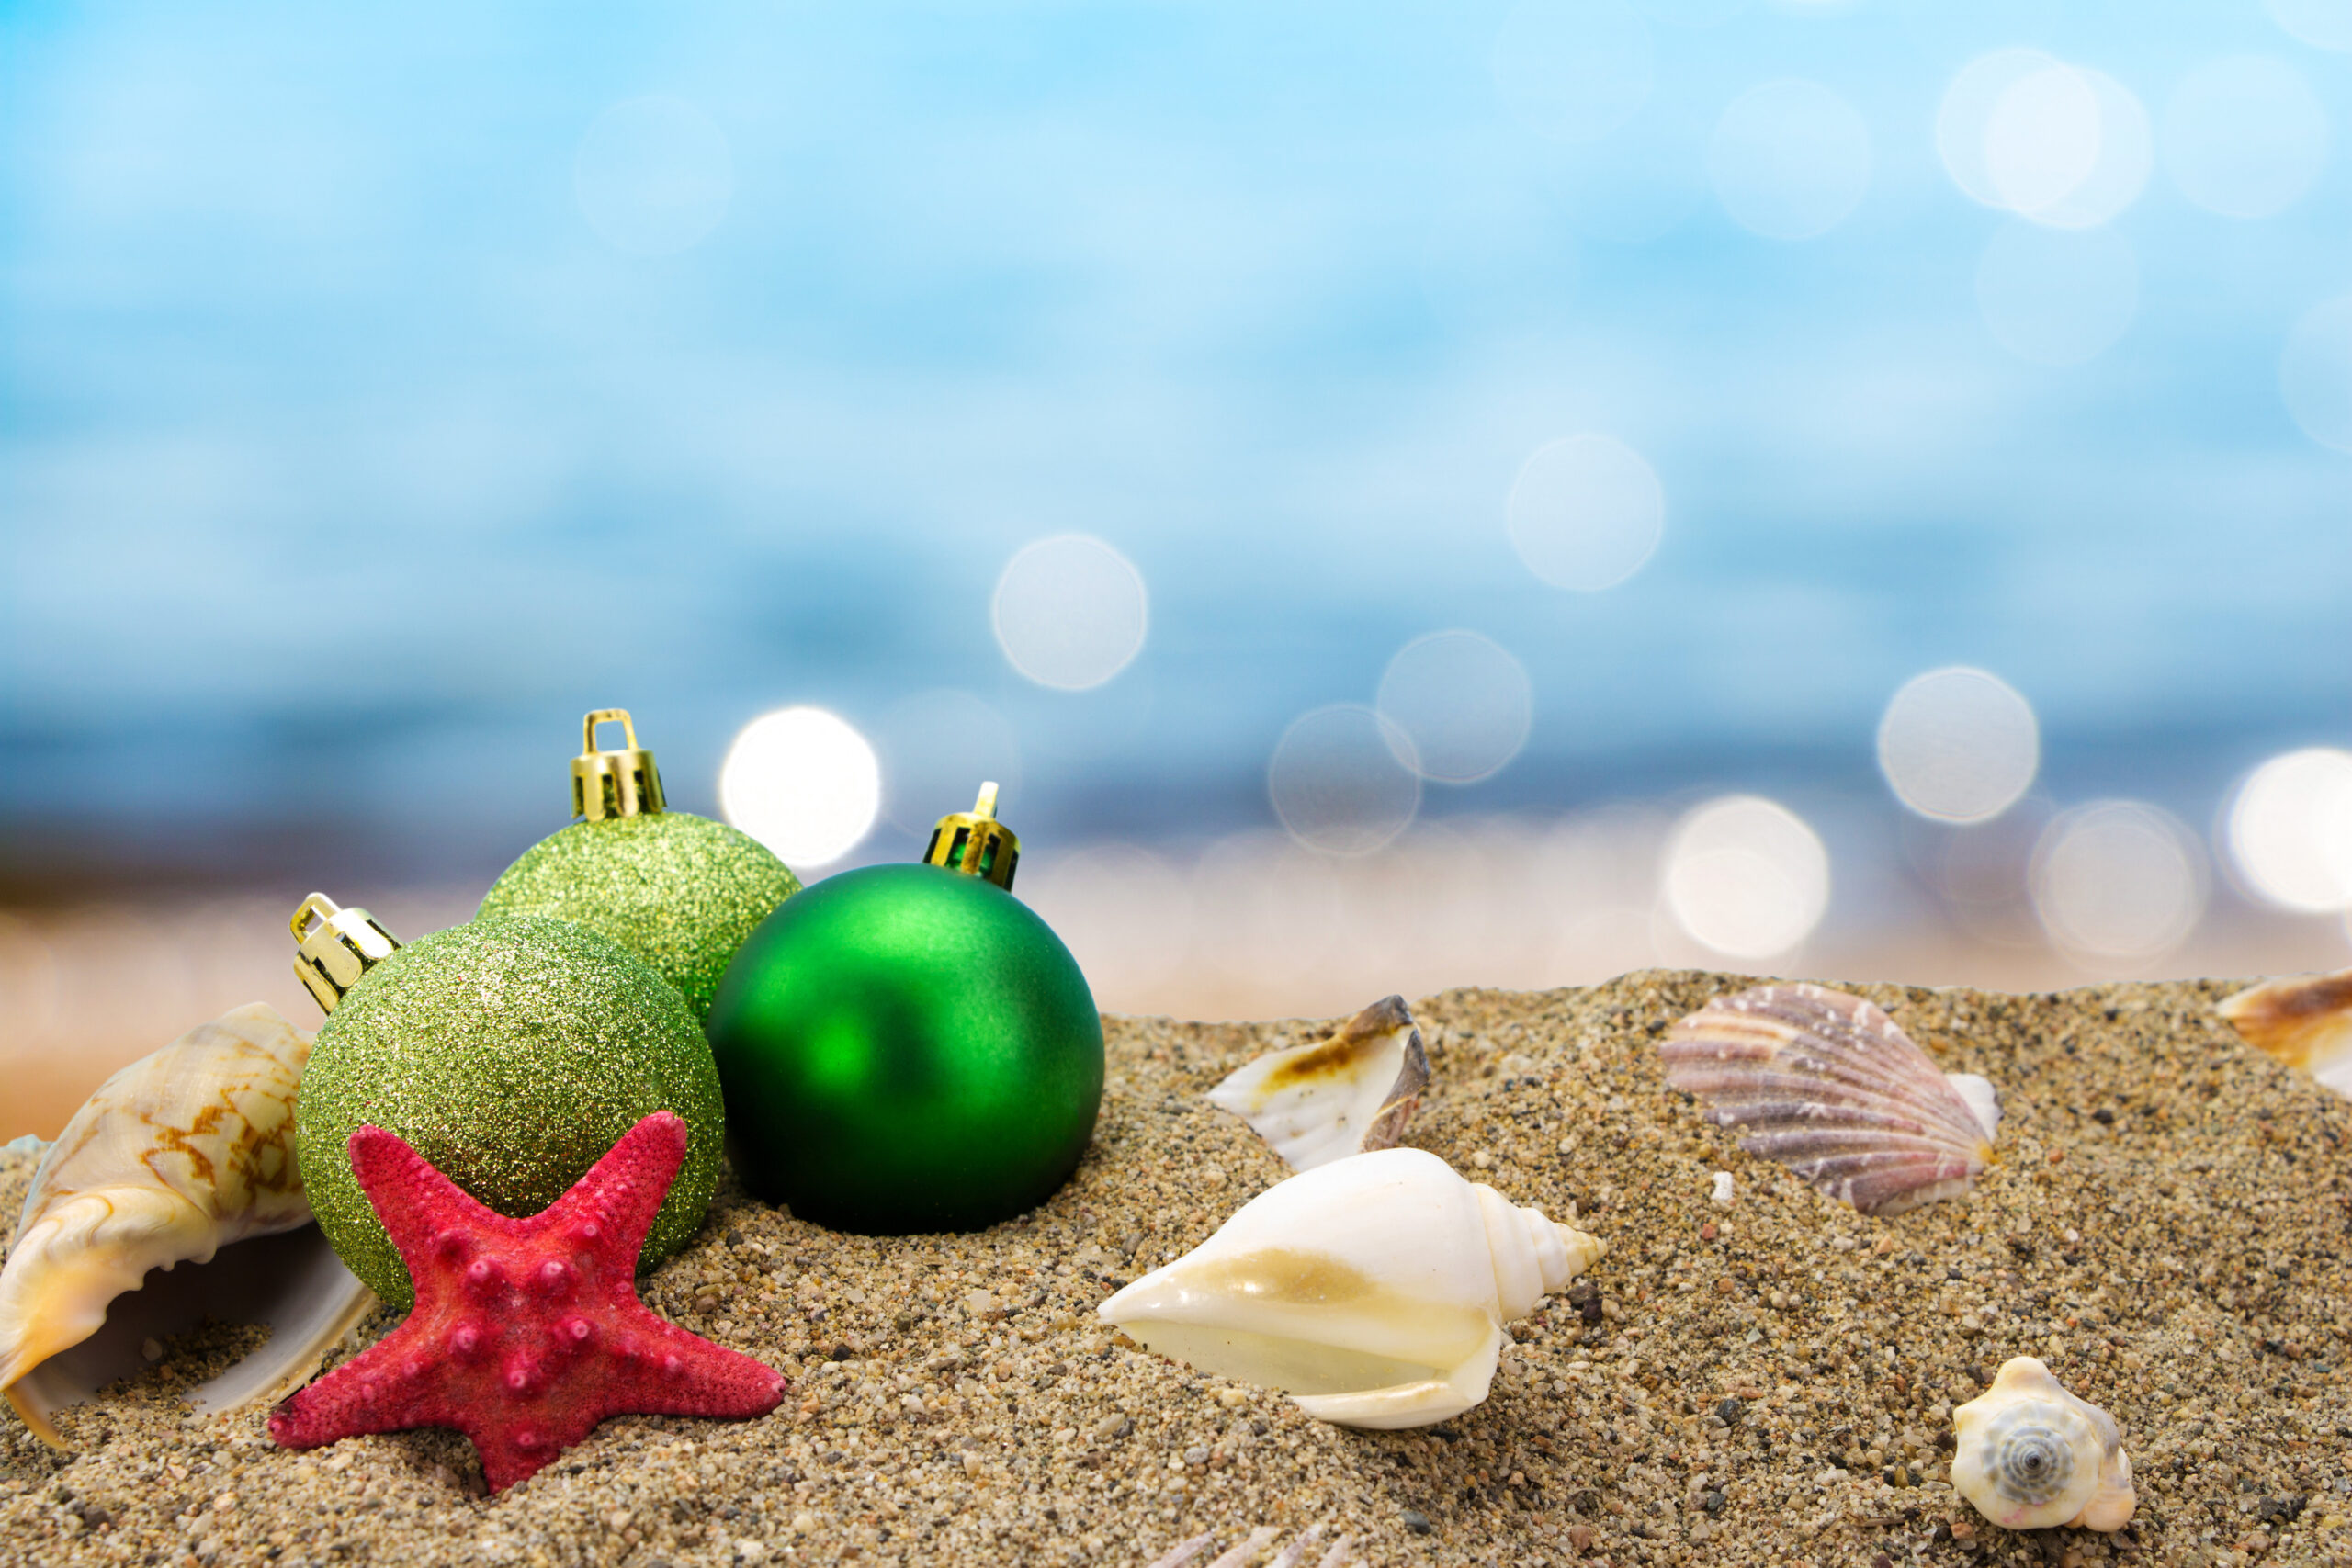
<point>1329,1099</point>
<point>1373,1289</point>
<point>1825,1084</point>
<point>2305,1020</point>
<point>2032,1455</point>
<point>178,1155</point>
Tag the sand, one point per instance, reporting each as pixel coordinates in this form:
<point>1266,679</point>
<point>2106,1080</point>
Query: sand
<point>1765,1381</point>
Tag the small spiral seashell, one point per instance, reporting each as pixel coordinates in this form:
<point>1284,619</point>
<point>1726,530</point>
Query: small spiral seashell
<point>1825,1084</point>
<point>2032,1455</point>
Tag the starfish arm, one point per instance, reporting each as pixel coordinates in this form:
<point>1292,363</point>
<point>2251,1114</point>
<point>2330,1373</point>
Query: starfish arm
<point>379,1390</point>
<point>416,1203</point>
<point>672,1372</point>
<point>623,1191</point>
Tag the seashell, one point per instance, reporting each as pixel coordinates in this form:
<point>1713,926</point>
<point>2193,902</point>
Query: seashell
<point>2305,1020</point>
<point>178,1155</point>
<point>2031,1455</point>
<point>1330,1098</point>
<point>1372,1289</point>
<point>1825,1084</point>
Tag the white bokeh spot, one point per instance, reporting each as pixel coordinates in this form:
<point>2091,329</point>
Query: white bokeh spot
<point>1745,876</point>
<point>2290,829</point>
<point>803,782</point>
<point>1071,611</point>
<point>2322,24</point>
<point>1464,702</point>
<point>1344,780</point>
<point>2061,145</point>
<point>1586,512</point>
<point>2117,880</point>
<point>1789,159</point>
<point>1959,745</point>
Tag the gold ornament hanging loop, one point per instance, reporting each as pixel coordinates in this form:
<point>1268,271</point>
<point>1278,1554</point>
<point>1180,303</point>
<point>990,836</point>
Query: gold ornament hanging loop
<point>620,783</point>
<point>976,843</point>
<point>334,946</point>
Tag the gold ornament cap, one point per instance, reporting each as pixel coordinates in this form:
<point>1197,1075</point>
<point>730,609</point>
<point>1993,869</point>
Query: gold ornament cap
<point>976,843</point>
<point>334,946</point>
<point>621,782</point>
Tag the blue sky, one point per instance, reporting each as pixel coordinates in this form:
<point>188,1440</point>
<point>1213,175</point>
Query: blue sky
<point>375,403</point>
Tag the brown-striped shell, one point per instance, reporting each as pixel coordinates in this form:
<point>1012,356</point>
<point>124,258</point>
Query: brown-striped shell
<point>1329,1099</point>
<point>2305,1020</point>
<point>178,1156</point>
<point>1825,1084</point>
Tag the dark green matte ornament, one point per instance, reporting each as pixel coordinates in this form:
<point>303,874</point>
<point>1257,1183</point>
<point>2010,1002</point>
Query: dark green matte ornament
<point>910,1047</point>
<point>511,1053</point>
<point>680,891</point>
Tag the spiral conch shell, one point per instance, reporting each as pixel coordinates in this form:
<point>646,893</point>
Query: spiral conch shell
<point>1826,1083</point>
<point>1329,1099</point>
<point>2032,1455</point>
<point>177,1156</point>
<point>2305,1020</point>
<point>1372,1289</point>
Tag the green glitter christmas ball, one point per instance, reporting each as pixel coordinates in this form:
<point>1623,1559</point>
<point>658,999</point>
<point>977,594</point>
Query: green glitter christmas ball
<point>905,1048</point>
<point>680,891</point>
<point>511,1053</point>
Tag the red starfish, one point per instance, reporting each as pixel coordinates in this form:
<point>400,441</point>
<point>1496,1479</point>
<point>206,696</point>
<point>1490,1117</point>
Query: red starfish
<point>526,1333</point>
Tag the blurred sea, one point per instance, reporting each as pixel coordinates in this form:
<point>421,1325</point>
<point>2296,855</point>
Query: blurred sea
<point>1401,496</point>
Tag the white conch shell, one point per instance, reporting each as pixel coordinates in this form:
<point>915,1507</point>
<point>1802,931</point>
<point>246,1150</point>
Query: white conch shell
<point>2032,1455</point>
<point>1372,1289</point>
<point>1826,1083</point>
<point>177,1156</point>
<point>1329,1099</point>
<point>2305,1020</point>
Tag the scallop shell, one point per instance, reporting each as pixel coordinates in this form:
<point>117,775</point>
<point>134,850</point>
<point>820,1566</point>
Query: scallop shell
<point>2032,1455</point>
<point>1825,1084</point>
<point>1329,1099</point>
<point>1373,1289</point>
<point>2305,1020</point>
<point>177,1155</point>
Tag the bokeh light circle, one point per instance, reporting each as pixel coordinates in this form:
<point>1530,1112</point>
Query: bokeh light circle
<point>2244,137</point>
<point>1344,780</point>
<point>654,175</point>
<point>1572,69</point>
<point>1789,159</point>
<point>2315,373</point>
<point>2118,880</point>
<point>2322,24</point>
<point>1586,512</point>
<point>803,782</point>
<point>2056,298</point>
<point>2290,829</point>
<point>1462,700</point>
<point>937,748</point>
<point>2064,146</point>
<point>1745,876</point>
<point>1069,612</point>
<point>1977,88</point>
<point>1959,745</point>
<point>2068,147</point>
